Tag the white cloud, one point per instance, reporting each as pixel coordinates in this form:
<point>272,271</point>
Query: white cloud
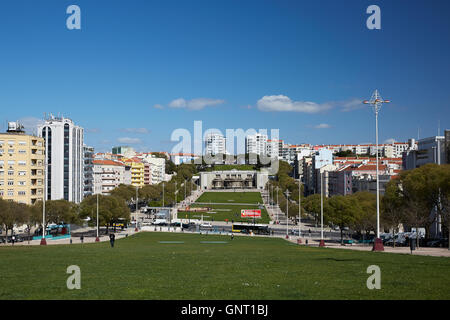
<point>389,141</point>
<point>285,104</point>
<point>92,130</point>
<point>195,104</point>
<point>352,104</point>
<point>129,140</point>
<point>135,130</point>
<point>30,124</point>
<point>322,126</point>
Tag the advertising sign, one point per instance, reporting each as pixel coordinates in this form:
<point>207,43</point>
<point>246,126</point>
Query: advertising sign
<point>250,213</point>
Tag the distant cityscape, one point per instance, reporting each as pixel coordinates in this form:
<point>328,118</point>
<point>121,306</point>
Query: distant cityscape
<point>75,170</point>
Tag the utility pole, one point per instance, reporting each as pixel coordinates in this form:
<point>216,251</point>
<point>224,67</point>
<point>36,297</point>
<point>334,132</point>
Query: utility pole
<point>43,241</point>
<point>287,193</point>
<point>322,241</point>
<point>376,102</point>
<point>137,200</point>
<point>97,239</point>
<point>299,211</point>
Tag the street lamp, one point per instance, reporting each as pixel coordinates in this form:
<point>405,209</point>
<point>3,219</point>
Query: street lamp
<point>43,241</point>
<point>97,239</point>
<point>376,102</point>
<point>299,211</point>
<point>287,193</point>
<point>322,241</point>
<point>137,200</point>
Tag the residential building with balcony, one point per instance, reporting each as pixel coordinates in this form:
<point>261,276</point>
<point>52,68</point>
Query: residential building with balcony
<point>21,166</point>
<point>108,174</point>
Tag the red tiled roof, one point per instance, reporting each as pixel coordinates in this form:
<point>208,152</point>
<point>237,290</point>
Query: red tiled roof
<point>108,163</point>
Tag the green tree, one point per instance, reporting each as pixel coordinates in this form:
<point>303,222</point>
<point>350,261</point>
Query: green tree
<point>366,216</point>
<point>342,211</point>
<point>111,210</point>
<point>392,214</point>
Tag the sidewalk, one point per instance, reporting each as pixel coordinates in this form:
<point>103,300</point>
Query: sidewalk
<point>424,251</point>
<point>119,235</point>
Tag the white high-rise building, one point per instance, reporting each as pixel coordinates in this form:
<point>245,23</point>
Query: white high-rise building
<point>256,144</point>
<point>215,143</point>
<point>64,157</point>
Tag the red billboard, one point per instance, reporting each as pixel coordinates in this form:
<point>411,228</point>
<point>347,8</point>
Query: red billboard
<point>250,213</point>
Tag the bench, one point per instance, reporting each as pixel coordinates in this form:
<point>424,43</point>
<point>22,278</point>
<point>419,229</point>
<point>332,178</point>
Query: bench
<point>348,242</point>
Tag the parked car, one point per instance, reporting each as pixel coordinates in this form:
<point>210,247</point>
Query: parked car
<point>17,239</point>
<point>438,243</point>
<point>206,225</point>
<point>2,240</point>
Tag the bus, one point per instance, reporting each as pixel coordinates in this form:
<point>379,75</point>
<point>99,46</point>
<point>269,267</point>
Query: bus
<point>54,232</point>
<point>250,228</point>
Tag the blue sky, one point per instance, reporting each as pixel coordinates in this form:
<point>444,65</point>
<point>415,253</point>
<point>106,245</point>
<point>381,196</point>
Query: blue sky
<point>137,70</point>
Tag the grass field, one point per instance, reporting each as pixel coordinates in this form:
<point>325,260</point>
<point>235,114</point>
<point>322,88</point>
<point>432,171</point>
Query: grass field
<point>231,211</point>
<point>141,267</point>
<point>222,212</point>
<point>231,197</point>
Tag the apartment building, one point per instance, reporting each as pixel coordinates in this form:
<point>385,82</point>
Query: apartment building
<point>108,174</point>
<point>65,158</point>
<point>275,148</point>
<point>88,183</point>
<point>137,171</point>
<point>256,144</point>
<point>21,166</point>
<point>215,143</point>
<point>157,169</point>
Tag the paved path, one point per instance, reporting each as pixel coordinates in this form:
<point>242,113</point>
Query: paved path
<point>119,235</point>
<point>425,251</point>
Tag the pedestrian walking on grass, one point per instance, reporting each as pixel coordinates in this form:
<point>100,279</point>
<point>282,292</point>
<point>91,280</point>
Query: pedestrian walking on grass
<point>82,238</point>
<point>232,236</point>
<point>112,238</point>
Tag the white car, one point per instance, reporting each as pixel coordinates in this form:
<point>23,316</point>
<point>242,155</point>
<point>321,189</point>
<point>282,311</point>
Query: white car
<point>206,225</point>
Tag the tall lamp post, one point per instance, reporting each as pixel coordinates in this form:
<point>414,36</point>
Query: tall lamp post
<point>97,239</point>
<point>287,193</point>
<point>376,102</point>
<point>299,211</point>
<point>322,241</point>
<point>137,201</point>
<point>43,241</point>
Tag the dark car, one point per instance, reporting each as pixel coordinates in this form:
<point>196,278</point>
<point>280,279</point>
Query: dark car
<point>2,240</point>
<point>17,239</point>
<point>437,243</point>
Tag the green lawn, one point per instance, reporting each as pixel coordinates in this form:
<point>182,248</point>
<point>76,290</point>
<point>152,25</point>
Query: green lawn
<point>231,197</point>
<point>222,212</point>
<point>140,267</point>
<point>231,211</point>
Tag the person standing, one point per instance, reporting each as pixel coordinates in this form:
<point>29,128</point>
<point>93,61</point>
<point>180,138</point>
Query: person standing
<point>112,238</point>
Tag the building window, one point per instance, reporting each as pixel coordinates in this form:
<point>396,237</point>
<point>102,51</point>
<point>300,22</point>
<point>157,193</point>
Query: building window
<point>10,172</point>
<point>22,183</point>
<point>22,143</point>
<point>21,193</point>
<point>11,162</point>
<point>10,192</point>
<point>22,151</point>
<point>2,182</point>
<point>10,182</point>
